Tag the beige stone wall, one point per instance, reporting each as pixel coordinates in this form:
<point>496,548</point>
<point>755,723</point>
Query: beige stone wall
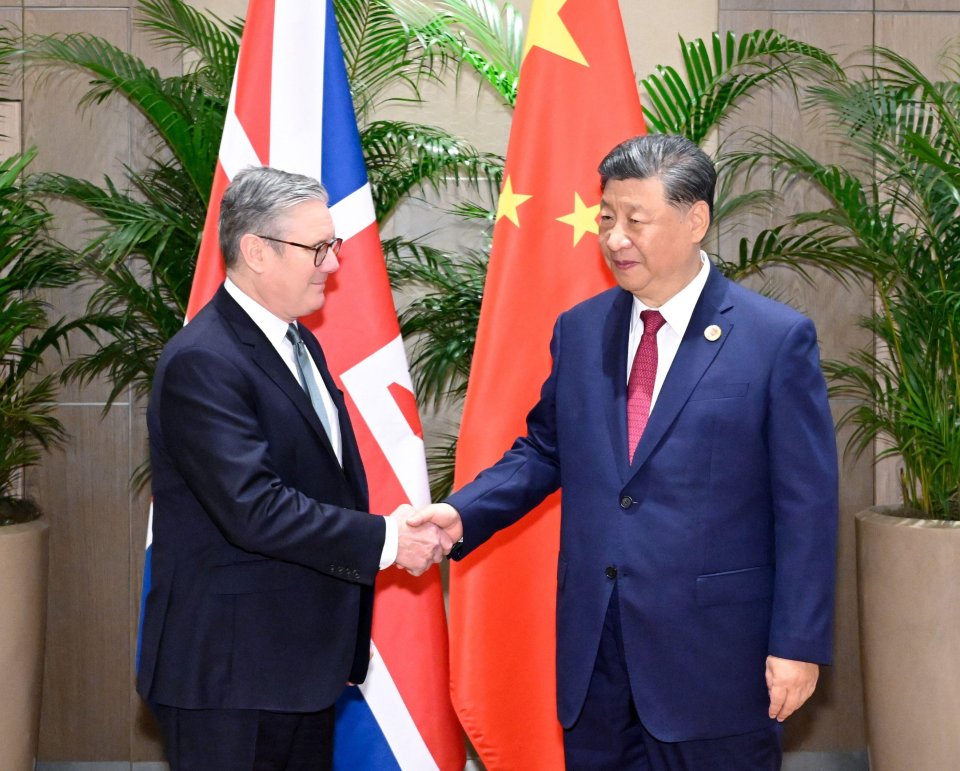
<point>90,711</point>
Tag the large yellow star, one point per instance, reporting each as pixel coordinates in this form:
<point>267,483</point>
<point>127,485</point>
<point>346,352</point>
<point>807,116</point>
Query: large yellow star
<point>509,203</point>
<point>583,219</point>
<point>548,31</point>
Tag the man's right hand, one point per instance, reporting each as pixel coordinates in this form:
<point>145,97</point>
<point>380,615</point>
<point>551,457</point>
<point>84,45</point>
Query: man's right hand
<point>443,515</point>
<point>418,547</point>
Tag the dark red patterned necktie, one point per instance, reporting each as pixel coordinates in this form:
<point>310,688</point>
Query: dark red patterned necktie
<point>643,374</point>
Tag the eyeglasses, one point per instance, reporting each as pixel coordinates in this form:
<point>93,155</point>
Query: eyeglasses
<point>319,251</point>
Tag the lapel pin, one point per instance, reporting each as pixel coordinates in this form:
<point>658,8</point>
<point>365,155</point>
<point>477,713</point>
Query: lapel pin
<point>712,333</point>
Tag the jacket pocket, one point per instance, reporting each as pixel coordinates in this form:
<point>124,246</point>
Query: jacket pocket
<point>719,391</point>
<point>257,576</point>
<point>735,586</point>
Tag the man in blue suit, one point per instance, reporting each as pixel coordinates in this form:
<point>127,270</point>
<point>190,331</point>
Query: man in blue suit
<point>264,553</point>
<point>686,420</point>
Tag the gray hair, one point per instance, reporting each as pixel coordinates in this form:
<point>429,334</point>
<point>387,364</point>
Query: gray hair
<point>686,172</point>
<point>253,201</point>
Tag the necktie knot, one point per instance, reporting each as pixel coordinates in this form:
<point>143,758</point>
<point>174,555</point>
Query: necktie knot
<point>652,321</point>
<point>293,335</point>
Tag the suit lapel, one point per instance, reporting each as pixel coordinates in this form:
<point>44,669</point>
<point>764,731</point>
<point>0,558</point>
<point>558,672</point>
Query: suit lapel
<point>616,332</point>
<point>694,356</point>
<point>265,356</point>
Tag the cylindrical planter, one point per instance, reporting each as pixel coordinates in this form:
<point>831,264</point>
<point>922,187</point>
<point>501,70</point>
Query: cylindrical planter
<point>23,616</point>
<point>908,573</point>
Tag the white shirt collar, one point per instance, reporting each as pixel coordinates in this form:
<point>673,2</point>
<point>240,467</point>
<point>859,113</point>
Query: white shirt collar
<point>678,310</point>
<point>272,326</point>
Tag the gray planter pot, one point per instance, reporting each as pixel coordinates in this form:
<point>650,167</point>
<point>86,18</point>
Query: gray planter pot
<point>908,573</point>
<point>24,554</point>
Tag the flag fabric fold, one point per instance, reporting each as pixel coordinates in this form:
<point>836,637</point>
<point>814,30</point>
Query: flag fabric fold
<point>290,107</point>
<point>577,99</point>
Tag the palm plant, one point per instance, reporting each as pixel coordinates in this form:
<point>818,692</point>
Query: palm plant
<point>892,221</point>
<point>480,35</point>
<point>144,242</point>
<point>144,245</point>
<point>29,261</point>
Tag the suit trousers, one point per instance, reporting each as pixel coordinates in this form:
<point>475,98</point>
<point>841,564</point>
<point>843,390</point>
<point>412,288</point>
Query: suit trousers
<point>609,736</point>
<point>246,739</point>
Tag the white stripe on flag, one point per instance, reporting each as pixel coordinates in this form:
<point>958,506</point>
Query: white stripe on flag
<point>353,213</point>
<point>386,704</point>
<point>296,117</point>
<point>150,526</point>
<point>236,150</point>
<point>368,383</point>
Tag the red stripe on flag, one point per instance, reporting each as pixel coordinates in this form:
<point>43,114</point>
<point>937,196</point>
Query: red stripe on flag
<point>209,273</point>
<point>254,78</point>
<point>407,403</point>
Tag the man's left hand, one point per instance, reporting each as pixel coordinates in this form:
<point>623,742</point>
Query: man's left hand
<point>789,683</point>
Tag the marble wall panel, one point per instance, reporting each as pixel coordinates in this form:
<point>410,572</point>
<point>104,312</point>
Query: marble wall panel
<point>916,5</point>
<point>11,84</point>
<point>794,6</point>
<point>10,136</point>
<point>83,489</point>
<point>83,142</point>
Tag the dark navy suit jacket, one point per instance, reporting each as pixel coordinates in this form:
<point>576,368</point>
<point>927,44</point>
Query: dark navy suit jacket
<point>264,557</point>
<point>722,530</point>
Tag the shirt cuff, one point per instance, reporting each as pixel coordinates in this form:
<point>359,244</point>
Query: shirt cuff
<point>391,544</point>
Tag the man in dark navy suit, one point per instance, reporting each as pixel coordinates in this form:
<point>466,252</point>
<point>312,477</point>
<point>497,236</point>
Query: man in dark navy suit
<point>264,552</point>
<point>686,420</point>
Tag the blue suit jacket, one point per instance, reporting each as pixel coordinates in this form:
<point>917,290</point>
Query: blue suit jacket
<point>722,530</point>
<point>264,557</point>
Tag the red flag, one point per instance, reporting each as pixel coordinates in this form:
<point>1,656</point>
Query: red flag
<point>291,108</point>
<point>577,99</point>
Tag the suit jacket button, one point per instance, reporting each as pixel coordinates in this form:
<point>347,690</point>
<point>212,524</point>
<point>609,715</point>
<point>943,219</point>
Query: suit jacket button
<point>610,572</point>
<point>626,502</point>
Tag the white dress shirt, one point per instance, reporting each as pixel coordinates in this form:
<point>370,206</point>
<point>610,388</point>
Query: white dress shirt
<point>676,313</point>
<point>275,330</point>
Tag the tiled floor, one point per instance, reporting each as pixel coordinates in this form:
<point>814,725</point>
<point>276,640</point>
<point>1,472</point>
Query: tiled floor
<point>793,761</point>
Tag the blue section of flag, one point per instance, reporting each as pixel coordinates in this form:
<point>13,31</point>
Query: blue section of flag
<point>341,160</point>
<point>358,742</point>
<point>144,590</point>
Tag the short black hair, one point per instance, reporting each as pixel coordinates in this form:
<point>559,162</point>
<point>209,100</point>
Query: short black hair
<point>686,172</point>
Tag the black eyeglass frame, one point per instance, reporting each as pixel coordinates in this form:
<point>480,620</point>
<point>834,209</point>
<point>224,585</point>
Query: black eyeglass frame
<point>319,251</point>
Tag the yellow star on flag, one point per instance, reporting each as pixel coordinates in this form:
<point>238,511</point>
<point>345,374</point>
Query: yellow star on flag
<point>548,31</point>
<point>509,203</point>
<point>583,219</point>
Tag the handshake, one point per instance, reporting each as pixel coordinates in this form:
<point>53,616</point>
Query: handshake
<point>425,535</point>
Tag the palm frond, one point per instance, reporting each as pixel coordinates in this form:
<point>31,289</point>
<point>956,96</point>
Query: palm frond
<point>405,157</point>
<point>479,34</point>
<point>187,122</point>
<point>379,55</point>
<point>442,320</point>
<point>442,462</point>
<point>214,42</point>
<point>719,77</point>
